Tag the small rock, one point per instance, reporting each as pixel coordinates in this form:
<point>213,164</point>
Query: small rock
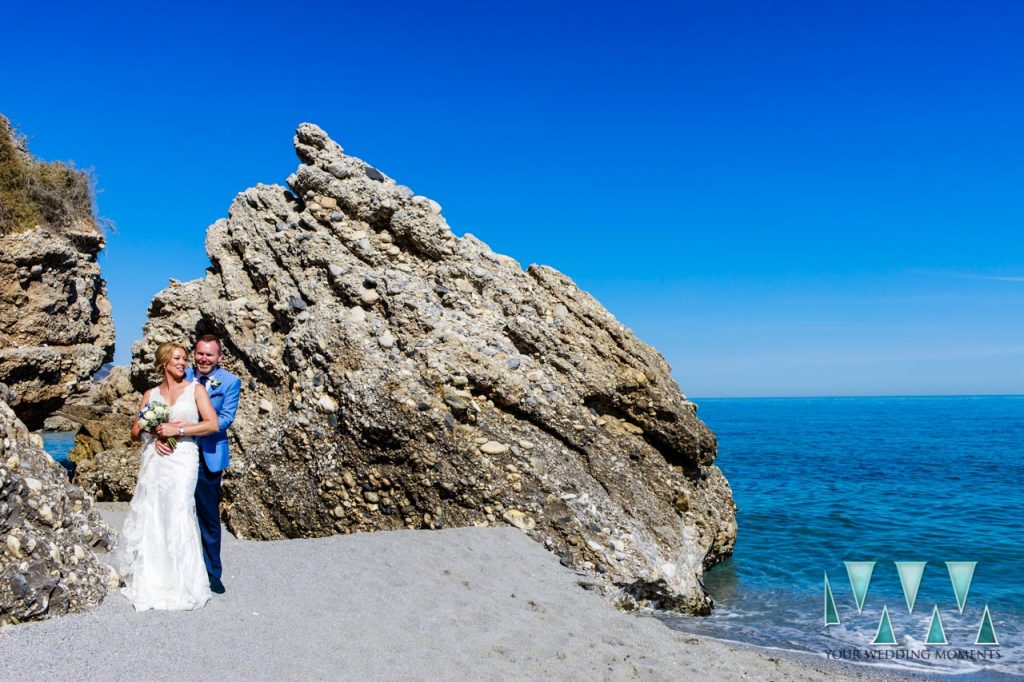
<point>337,170</point>
<point>19,585</point>
<point>456,402</point>
<point>328,404</point>
<point>519,520</point>
<point>493,447</point>
<point>14,546</point>
<point>59,423</point>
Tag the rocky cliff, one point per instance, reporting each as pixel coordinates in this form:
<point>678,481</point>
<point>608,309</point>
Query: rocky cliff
<point>48,528</point>
<point>396,375</point>
<point>55,324</point>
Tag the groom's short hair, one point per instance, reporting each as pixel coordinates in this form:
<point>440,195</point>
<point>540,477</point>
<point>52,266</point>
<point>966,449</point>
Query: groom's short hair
<point>209,338</point>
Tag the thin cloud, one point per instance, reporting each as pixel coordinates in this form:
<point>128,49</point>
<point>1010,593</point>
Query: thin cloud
<point>971,275</point>
<point>996,278</point>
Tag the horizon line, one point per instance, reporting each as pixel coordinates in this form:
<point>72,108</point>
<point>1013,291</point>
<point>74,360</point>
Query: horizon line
<point>865,395</point>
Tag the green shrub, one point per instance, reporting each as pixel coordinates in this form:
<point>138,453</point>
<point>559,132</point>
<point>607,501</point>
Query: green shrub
<point>33,192</point>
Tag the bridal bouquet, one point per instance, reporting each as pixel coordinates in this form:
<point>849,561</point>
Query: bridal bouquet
<point>153,415</point>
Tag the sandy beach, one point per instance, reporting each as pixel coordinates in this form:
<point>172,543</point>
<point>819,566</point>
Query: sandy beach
<point>469,603</point>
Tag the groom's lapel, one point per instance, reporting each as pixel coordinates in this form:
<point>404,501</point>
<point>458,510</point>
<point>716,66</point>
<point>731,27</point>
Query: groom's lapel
<point>215,374</point>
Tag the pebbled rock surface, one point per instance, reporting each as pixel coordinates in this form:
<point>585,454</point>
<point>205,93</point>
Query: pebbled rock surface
<point>55,325</point>
<point>48,528</point>
<point>396,375</point>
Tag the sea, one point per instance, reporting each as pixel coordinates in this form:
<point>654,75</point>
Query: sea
<point>824,481</point>
<point>58,445</point>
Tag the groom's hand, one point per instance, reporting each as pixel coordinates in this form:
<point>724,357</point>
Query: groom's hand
<point>162,447</point>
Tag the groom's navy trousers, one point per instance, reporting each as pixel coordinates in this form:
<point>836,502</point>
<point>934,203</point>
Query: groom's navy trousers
<point>208,512</point>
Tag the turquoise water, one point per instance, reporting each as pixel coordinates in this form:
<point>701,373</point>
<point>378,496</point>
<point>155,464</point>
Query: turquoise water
<point>58,443</point>
<point>826,480</point>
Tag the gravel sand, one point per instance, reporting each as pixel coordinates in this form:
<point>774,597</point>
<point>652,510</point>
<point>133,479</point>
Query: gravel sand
<point>468,603</point>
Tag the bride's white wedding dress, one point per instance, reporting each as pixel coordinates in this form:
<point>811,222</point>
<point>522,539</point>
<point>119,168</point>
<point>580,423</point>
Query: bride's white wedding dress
<point>160,556</point>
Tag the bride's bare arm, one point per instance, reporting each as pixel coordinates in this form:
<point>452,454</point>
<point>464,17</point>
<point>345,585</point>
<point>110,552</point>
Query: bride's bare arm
<point>207,414</point>
<point>136,431</point>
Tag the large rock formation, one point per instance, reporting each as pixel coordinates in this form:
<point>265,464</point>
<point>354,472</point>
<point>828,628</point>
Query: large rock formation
<point>55,324</point>
<point>47,530</point>
<point>399,376</point>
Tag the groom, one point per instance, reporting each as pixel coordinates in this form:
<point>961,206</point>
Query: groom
<point>223,387</point>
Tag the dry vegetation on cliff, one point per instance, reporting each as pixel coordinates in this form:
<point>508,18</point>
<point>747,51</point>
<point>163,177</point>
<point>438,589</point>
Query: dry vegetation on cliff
<point>48,194</point>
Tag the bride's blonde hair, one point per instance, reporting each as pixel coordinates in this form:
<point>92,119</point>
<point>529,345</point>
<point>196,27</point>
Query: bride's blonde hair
<point>164,352</point>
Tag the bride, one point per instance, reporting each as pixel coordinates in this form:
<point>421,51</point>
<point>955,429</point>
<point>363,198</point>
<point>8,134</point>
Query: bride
<point>161,555</point>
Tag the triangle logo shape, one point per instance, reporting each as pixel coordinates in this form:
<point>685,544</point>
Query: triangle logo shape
<point>936,633</point>
<point>885,635</point>
<point>859,573</point>
<point>961,573</point>
<point>986,631</point>
<point>910,580</point>
<point>831,613</point>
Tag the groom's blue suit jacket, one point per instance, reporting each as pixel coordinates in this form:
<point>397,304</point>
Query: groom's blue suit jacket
<point>223,388</point>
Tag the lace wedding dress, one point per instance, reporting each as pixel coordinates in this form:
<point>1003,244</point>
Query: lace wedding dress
<point>160,556</point>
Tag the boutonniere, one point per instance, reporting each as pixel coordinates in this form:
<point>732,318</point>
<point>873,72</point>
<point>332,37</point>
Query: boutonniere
<point>214,383</point>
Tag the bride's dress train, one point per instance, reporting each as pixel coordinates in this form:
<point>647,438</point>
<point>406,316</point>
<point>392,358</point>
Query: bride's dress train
<point>160,556</point>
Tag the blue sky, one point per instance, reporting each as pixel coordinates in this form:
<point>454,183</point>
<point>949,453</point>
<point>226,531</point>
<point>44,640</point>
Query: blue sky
<point>798,198</point>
